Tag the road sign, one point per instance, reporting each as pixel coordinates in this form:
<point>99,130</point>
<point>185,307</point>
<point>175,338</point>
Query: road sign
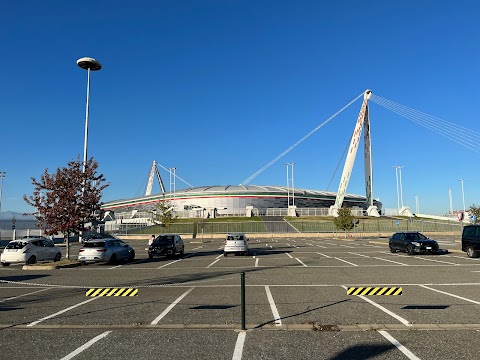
<point>13,227</point>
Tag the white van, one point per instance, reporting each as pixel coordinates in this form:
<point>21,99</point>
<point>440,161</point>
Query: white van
<point>235,243</point>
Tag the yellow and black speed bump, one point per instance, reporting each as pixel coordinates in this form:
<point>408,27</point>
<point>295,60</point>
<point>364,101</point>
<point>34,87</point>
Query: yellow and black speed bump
<point>374,291</point>
<point>97,292</point>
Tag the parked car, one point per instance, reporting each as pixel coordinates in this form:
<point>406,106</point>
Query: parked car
<point>29,251</point>
<point>108,250</point>
<point>235,243</point>
<point>166,244</point>
<point>412,243</point>
<point>471,240</point>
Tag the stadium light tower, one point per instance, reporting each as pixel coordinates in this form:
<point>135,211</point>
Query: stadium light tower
<point>463,195</point>
<point>88,64</point>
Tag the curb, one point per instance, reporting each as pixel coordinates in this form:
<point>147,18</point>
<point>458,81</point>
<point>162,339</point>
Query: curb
<point>50,267</point>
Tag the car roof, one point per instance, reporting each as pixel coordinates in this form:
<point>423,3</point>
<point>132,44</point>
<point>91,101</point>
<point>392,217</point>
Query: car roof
<point>236,233</point>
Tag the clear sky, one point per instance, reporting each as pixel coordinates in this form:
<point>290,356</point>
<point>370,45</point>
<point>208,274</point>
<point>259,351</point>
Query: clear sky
<point>219,88</point>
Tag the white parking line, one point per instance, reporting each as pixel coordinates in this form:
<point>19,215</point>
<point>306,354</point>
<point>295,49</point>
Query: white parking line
<point>62,311</point>
<point>301,262</point>
<point>19,296</point>
<point>290,256</point>
<point>219,256</point>
<point>172,262</point>
<point>399,318</point>
<point>85,346</point>
<point>319,253</point>
<point>170,307</point>
<point>359,254</point>
<point>276,316</point>
<point>421,258</point>
<point>213,263</point>
<point>452,295</point>
<point>256,262</point>
<point>395,262</point>
<point>237,353</point>
<point>323,247</point>
<point>345,261</point>
<point>399,346</point>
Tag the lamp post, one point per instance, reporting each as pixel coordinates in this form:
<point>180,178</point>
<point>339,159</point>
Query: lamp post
<point>463,195</point>
<point>397,168</point>
<point>417,207</point>
<point>450,197</point>
<point>2,176</point>
<point>88,64</point>
<point>290,180</point>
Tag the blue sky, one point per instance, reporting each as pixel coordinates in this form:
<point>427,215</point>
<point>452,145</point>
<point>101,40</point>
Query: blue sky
<point>217,89</point>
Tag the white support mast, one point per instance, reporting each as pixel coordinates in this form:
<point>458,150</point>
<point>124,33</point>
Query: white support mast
<point>154,171</point>
<point>362,121</point>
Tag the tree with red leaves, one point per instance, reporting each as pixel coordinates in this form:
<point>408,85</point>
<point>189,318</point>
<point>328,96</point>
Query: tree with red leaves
<point>67,199</point>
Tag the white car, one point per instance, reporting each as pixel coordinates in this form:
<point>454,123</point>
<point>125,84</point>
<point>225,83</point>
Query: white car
<point>235,243</point>
<point>29,251</point>
<point>108,250</point>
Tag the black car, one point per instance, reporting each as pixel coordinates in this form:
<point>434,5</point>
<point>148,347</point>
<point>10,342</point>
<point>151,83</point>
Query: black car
<point>471,240</point>
<point>166,244</point>
<point>412,243</point>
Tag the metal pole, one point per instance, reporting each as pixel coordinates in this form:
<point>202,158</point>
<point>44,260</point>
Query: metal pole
<point>288,187</point>
<point>463,195</point>
<point>293,187</point>
<point>450,196</point>
<point>242,285</point>
<point>2,176</point>
<point>398,194</point>
<point>401,188</point>
<point>85,143</point>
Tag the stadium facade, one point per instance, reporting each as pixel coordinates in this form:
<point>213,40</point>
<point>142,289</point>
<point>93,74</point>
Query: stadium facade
<point>237,200</point>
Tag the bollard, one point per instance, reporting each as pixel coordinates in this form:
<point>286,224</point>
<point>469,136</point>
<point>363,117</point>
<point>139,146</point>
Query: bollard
<point>242,285</point>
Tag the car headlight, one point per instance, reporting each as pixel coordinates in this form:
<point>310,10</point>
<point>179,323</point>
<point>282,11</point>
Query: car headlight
<point>415,243</point>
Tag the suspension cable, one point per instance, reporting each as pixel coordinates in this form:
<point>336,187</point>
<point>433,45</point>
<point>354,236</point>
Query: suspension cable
<point>262,169</point>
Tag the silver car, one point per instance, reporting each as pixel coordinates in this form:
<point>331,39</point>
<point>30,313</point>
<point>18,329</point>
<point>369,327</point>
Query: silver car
<point>29,251</point>
<point>108,250</point>
<point>235,243</point>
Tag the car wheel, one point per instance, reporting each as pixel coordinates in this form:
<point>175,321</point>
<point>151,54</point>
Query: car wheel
<point>113,259</point>
<point>150,256</point>
<point>392,248</point>
<point>224,254</point>
<point>410,250</point>
<point>5,264</point>
<point>83,262</point>
<point>471,253</point>
<point>182,252</point>
<point>132,256</point>
<point>57,257</point>
<point>31,260</point>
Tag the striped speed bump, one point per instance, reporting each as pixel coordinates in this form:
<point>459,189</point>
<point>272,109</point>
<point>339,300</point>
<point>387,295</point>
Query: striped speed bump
<point>96,292</point>
<point>374,291</point>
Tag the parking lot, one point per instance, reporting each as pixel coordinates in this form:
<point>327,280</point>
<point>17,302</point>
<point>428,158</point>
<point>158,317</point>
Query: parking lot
<point>296,304</point>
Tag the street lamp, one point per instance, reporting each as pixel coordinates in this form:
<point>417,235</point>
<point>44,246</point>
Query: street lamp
<point>417,207</point>
<point>463,195</point>
<point>2,176</point>
<point>288,185</point>
<point>399,192</point>
<point>88,64</point>
<point>450,197</point>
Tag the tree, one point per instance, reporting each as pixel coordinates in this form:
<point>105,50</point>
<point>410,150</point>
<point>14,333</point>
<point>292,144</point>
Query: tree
<point>67,199</point>
<point>164,213</point>
<point>344,220</point>
<point>475,210</point>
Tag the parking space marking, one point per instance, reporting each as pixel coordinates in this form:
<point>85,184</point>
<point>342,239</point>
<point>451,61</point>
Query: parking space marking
<point>359,254</point>
<point>19,296</point>
<point>399,346</point>
<point>172,262</point>
<point>290,256</point>
<point>345,261</point>
<point>319,253</point>
<point>323,247</point>
<point>213,263</point>
<point>62,311</point>
<point>392,314</point>
<point>395,262</point>
<point>449,294</point>
<point>421,258</point>
<point>170,307</point>
<point>276,316</point>
<point>256,262</point>
<point>85,346</point>
<point>237,353</point>
<point>301,262</point>
<point>219,256</point>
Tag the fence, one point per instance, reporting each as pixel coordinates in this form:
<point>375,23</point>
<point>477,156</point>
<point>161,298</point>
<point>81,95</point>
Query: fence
<point>294,226</point>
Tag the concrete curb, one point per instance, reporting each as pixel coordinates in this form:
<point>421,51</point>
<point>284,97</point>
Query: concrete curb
<point>50,267</point>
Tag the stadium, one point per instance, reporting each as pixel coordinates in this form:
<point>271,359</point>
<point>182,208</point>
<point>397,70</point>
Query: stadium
<point>238,200</point>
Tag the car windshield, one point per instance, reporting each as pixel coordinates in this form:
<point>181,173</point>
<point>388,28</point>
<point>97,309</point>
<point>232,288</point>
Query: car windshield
<point>164,239</point>
<point>415,236</point>
<point>16,245</point>
<point>94,244</point>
